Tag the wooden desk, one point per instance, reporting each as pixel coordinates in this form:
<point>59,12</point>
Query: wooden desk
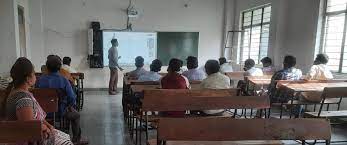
<point>140,88</point>
<point>237,75</point>
<point>310,86</point>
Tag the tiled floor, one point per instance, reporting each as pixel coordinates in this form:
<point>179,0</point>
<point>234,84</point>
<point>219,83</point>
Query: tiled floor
<point>102,121</point>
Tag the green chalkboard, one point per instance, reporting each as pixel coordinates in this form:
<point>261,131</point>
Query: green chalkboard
<point>177,45</point>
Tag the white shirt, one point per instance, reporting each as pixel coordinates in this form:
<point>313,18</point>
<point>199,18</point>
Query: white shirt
<point>113,57</point>
<point>194,74</point>
<point>319,72</point>
<point>254,72</point>
<point>69,68</point>
<point>226,67</point>
<point>215,81</point>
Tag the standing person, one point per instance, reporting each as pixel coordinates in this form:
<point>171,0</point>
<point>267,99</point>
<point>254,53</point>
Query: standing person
<point>224,65</point>
<point>114,66</point>
<point>21,105</point>
<point>193,73</point>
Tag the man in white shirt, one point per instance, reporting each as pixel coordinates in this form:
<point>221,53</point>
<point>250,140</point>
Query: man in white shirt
<point>251,70</point>
<point>224,65</point>
<point>320,70</point>
<point>193,73</point>
<point>66,65</point>
<point>214,80</point>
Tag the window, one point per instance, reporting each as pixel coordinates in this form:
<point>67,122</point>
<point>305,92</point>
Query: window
<point>254,40</point>
<point>333,38</point>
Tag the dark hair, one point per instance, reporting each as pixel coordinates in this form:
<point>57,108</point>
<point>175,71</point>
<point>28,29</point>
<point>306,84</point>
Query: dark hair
<point>114,41</point>
<point>156,65</point>
<point>192,62</point>
<point>67,60</point>
<point>53,64</point>
<point>222,60</point>
<point>175,65</point>
<point>139,61</point>
<point>212,66</point>
<point>50,56</point>
<point>20,71</point>
<point>249,63</point>
<point>321,59</point>
<point>289,61</point>
<point>266,60</point>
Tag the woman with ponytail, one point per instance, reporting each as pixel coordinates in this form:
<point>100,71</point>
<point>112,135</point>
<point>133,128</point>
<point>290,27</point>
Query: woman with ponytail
<point>21,105</point>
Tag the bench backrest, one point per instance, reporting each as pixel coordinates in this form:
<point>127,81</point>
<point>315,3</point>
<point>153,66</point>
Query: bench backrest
<point>15,131</point>
<point>236,75</point>
<point>181,100</point>
<point>335,92</point>
<point>228,129</point>
<point>47,98</point>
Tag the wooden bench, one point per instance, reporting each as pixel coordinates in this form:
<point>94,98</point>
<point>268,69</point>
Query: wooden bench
<point>330,93</point>
<point>183,100</point>
<point>225,131</point>
<point>20,131</point>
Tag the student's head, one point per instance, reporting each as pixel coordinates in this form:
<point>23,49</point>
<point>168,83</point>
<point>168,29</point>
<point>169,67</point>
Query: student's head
<point>50,56</point>
<point>156,65</point>
<point>192,62</point>
<point>114,42</point>
<point>289,61</point>
<point>67,60</point>
<point>266,61</point>
<point>222,60</point>
<point>23,73</point>
<point>175,65</point>
<point>44,69</point>
<point>249,63</point>
<point>139,61</point>
<point>321,59</point>
<point>211,67</point>
<point>53,64</point>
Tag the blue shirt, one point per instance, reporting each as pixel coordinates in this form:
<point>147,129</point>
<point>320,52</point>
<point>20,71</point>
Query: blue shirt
<point>56,81</point>
<point>284,74</point>
<point>150,76</point>
<point>194,74</point>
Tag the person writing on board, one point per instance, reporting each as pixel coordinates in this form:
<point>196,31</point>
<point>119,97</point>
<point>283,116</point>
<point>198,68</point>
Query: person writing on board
<point>113,65</point>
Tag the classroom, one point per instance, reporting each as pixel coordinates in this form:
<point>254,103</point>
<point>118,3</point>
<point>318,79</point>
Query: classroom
<point>173,72</point>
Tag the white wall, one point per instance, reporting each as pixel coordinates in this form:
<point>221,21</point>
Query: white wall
<point>292,31</point>
<point>9,42</point>
<point>65,24</point>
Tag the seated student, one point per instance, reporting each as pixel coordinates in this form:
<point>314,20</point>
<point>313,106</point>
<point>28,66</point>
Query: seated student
<point>174,80</point>
<point>66,65</point>
<point>319,71</point>
<point>63,72</point>
<point>193,73</point>
<point>224,65</point>
<point>57,81</point>
<point>268,69</point>
<point>139,63</point>
<point>44,69</point>
<point>20,104</point>
<point>250,68</point>
<point>289,72</point>
<point>214,80</point>
<point>153,75</point>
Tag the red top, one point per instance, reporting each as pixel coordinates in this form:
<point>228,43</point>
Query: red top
<point>174,81</point>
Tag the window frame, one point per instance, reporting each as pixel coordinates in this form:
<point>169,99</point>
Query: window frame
<point>322,40</point>
<point>251,27</point>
